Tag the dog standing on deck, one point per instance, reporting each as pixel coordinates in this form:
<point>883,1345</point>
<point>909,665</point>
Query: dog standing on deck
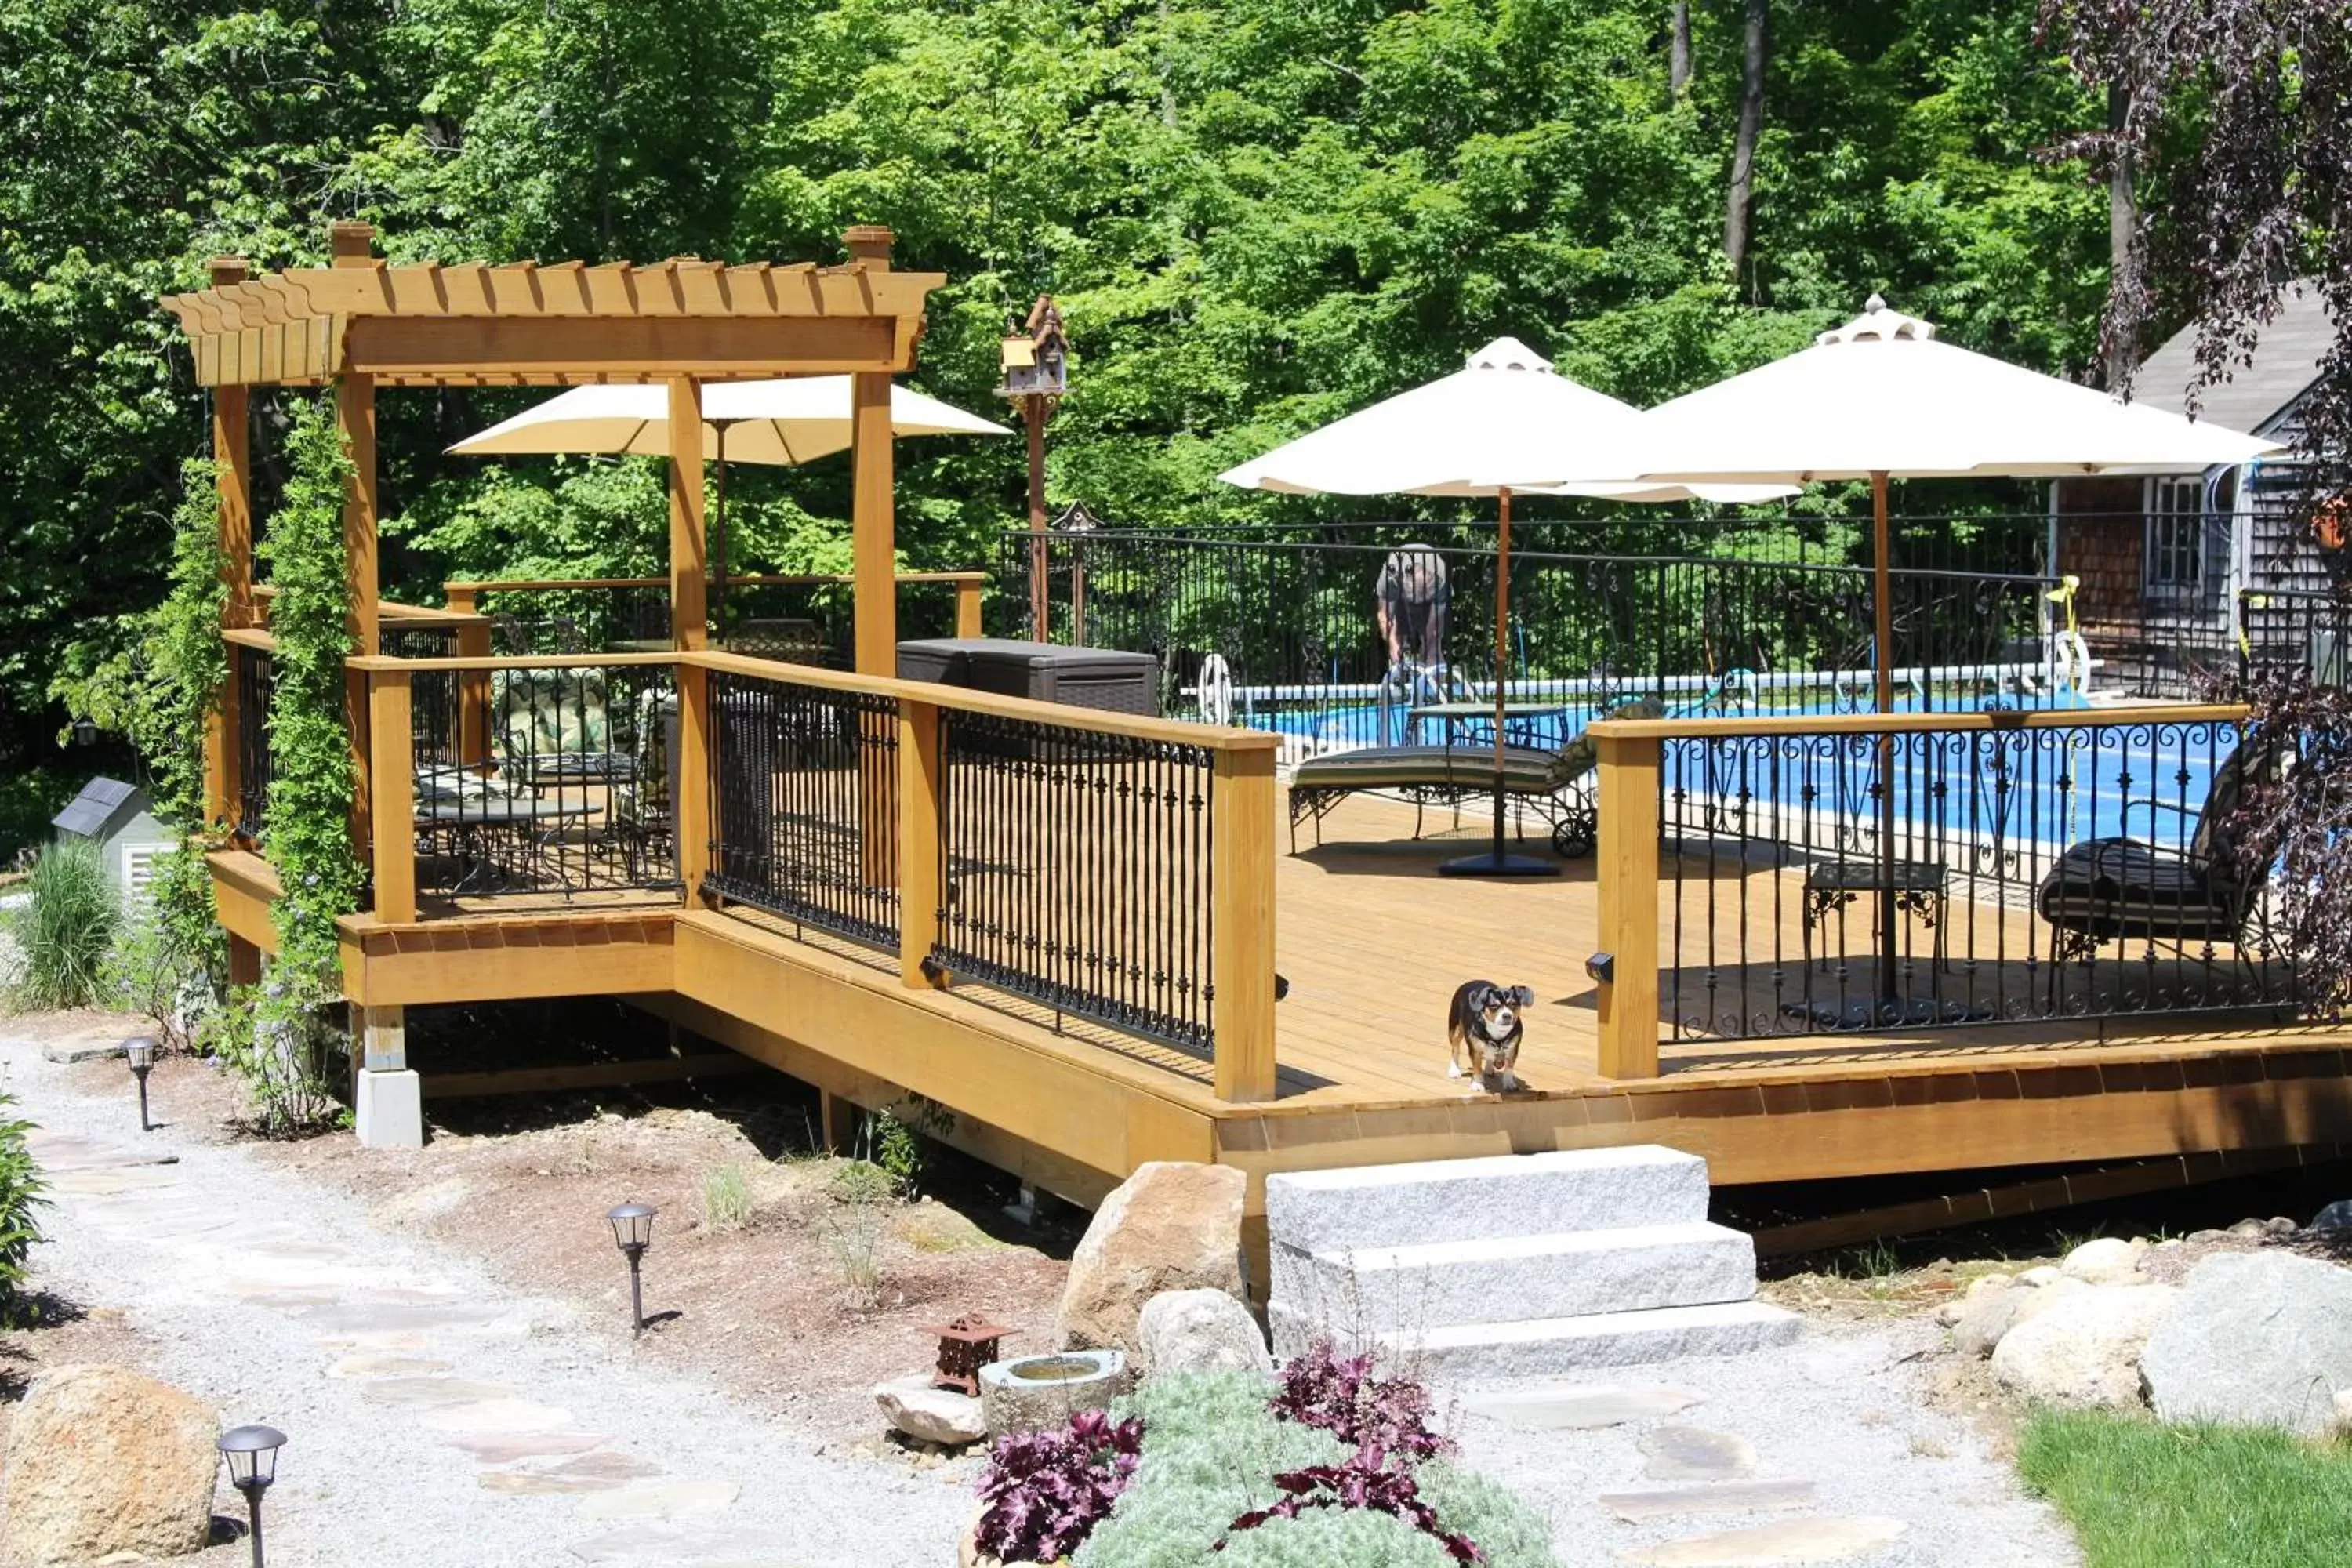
<point>1484,1026</point>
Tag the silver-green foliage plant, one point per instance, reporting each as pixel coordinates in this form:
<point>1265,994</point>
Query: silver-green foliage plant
<point>65,929</point>
<point>286,1058</point>
<point>1211,1448</point>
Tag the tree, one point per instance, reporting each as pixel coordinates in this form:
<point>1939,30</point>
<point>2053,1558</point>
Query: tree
<point>1739,206</point>
<point>1678,48</point>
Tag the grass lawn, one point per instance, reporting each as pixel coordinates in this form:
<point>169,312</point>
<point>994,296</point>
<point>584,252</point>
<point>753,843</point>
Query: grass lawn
<point>2141,1494</point>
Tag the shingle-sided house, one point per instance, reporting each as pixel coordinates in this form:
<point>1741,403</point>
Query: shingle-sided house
<point>2163,558</point>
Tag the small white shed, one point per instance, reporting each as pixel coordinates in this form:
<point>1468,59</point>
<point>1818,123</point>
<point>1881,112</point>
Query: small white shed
<point>117,818</point>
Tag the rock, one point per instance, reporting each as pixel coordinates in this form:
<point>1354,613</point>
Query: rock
<point>2258,1338</point>
<point>2041,1275</point>
<point>2082,1350</point>
<point>1711,1497</point>
<point>80,1048</point>
<point>1169,1226</point>
<point>1991,1316</point>
<point>1198,1331</point>
<point>2250,1230</point>
<point>101,1460</point>
<point>1033,1403</point>
<point>1984,1282</point>
<point>1815,1539</point>
<point>942,1416</point>
<point>2336,1215</point>
<point>1557,1409</point>
<point>2279,1225</point>
<point>1695,1453</point>
<point>2207,1237</point>
<point>2109,1260</point>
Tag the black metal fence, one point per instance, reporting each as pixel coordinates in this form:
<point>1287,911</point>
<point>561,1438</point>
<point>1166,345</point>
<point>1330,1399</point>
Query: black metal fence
<point>550,780</point>
<point>801,621</point>
<point>2306,630</point>
<point>1823,882</point>
<point>1316,639</point>
<point>804,789</point>
<point>1075,870</point>
<point>255,679</point>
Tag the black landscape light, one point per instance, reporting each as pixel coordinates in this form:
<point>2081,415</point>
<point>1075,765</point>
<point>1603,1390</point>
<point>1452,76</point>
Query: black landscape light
<point>139,1050</point>
<point>633,1232</point>
<point>252,1456</point>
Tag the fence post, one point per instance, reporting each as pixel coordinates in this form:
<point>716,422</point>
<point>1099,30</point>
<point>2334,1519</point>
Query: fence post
<point>967,623</point>
<point>690,812</point>
<point>1626,867</point>
<point>221,746</point>
<point>1241,919</point>
<point>474,698</point>
<point>392,794</point>
<point>921,782</point>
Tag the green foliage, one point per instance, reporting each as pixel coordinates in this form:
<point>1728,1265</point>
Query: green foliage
<point>286,1058</point>
<point>22,1190</point>
<point>726,1199</point>
<point>65,929</point>
<point>28,800</point>
<point>2141,1494</point>
<point>1211,1448</point>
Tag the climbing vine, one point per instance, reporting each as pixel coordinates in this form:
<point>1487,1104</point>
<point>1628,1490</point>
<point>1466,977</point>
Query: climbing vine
<point>308,837</point>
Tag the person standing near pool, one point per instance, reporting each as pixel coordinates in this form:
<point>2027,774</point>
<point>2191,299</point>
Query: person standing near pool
<point>1410,600</point>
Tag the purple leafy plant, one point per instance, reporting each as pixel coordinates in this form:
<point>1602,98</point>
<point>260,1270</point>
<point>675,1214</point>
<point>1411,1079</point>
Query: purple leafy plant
<point>1043,1492</point>
<point>1340,1395</point>
<point>1364,1481</point>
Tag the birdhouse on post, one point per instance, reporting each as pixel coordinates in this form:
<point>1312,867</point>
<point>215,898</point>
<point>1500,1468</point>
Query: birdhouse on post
<point>1036,357</point>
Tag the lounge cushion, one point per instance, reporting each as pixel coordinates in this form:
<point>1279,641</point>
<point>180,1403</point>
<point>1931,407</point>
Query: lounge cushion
<point>1524,770</point>
<point>2120,887</point>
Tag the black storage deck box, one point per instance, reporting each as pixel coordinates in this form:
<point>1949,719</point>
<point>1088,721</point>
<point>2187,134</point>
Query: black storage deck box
<point>1096,677</point>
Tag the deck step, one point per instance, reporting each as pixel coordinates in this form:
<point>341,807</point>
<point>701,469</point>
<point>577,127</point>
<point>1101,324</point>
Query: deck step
<point>1545,1347</point>
<point>1485,1198</point>
<point>1501,1279</point>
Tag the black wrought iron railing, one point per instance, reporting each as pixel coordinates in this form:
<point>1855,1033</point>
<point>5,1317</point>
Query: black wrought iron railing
<point>803,821</point>
<point>1076,871</point>
<point>544,779</point>
<point>2309,630</point>
<point>251,670</point>
<point>2008,869</point>
<point>803,619</point>
<point>1348,642</point>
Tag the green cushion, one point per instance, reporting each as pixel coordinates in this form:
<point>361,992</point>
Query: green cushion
<point>1524,772</point>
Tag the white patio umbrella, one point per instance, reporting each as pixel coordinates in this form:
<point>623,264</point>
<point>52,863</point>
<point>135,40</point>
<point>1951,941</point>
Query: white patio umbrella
<point>1505,423</point>
<point>1881,397</point>
<point>786,421</point>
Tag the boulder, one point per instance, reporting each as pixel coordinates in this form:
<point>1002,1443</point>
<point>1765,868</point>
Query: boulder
<point>2259,1339</point>
<point>1198,1331</point>
<point>102,1460</point>
<point>1169,1226</point>
<point>2082,1350</point>
<point>2040,1275</point>
<point>2109,1260</point>
<point>2336,1215</point>
<point>913,1405</point>
<point>1989,1315</point>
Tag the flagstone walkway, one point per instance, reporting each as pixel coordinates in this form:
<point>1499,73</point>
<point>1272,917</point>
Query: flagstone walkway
<point>432,1415</point>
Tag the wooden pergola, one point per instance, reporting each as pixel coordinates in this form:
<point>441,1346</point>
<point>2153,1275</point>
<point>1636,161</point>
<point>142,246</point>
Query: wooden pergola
<point>362,322</point>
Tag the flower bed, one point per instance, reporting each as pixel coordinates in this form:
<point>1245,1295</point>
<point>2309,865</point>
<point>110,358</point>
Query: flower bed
<point>1330,1466</point>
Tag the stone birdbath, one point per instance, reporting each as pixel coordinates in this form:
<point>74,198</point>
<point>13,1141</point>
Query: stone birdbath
<point>1036,1393</point>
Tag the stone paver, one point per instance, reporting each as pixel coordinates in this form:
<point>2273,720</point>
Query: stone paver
<point>1695,1453</point>
<point>488,1415</point>
<point>1565,1409</point>
<point>1814,1539</point>
<point>662,1499</point>
<point>1710,1497</point>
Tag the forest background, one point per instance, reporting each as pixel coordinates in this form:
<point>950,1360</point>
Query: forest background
<point>1257,215</point>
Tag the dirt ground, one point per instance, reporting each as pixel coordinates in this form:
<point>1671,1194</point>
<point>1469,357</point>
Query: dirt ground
<point>820,1292</point>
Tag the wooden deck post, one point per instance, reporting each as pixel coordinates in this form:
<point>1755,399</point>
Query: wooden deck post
<point>1626,869</point>
<point>872,520</point>
<point>353,244</point>
<point>474,698</point>
<point>921,778</point>
<point>967,621</point>
<point>1240,919</point>
<point>688,569</point>
<point>392,795</point>
<point>232,460</point>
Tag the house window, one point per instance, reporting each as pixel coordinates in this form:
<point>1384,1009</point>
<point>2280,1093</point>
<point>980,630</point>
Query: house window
<point>2176,534</point>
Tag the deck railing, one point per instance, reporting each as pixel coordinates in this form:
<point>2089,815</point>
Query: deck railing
<point>251,681</point>
<point>1108,866</point>
<point>803,618</point>
<point>1865,874</point>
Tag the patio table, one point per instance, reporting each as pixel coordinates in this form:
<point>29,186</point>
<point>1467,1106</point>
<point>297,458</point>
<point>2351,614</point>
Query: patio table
<point>476,825</point>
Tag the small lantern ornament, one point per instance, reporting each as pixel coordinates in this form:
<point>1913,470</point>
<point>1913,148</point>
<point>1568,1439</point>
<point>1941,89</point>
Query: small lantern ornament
<point>1036,356</point>
<point>966,1345</point>
<point>139,1050</point>
<point>252,1456</point>
<point>633,1232</point>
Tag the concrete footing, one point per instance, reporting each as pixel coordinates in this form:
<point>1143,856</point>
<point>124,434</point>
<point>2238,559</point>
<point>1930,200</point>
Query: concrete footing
<point>390,1109</point>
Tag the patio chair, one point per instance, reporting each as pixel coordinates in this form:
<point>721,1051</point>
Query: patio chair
<point>790,638</point>
<point>2122,889</point>
<point>554,728</point>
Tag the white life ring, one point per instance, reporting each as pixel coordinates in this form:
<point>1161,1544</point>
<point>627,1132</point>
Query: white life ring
<point>1214,692</point>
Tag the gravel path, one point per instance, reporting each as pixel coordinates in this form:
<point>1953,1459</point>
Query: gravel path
<point>433,1415</point>
<point>1845,1409</point>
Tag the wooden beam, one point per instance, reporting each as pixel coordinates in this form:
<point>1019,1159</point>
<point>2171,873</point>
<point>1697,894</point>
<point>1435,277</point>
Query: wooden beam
<point>355,421</point>
<point>244,887</point>
<point>591,1075</point>
<point>1241,923</point>
<point>391,795</point>
<point>873,527</point>
<point>572,350</point>
<point>1626,869</point>
<point>233,479</point>
<point>689,564</point>
<point>506,958</point>
<point>966,608</point>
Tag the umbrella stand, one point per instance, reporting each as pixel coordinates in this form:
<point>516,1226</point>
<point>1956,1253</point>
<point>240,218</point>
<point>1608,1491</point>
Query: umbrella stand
<point>1497,861</point>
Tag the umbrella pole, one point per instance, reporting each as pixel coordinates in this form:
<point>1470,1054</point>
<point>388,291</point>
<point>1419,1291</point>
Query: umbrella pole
<point>1497,861</point>
<point>1883,592</point>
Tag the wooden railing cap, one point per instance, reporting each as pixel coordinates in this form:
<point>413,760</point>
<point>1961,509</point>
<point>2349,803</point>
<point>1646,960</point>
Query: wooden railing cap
<point>1729,726</point>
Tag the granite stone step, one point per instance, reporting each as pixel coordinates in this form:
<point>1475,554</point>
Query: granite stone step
<point>1493,1195</point>
<point>1502,1279</point>
<point>1549,1346</point>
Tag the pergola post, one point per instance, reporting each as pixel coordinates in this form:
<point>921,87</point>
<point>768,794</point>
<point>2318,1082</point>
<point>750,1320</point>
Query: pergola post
<point>688,608</point>
<point>872,522</point>
<point>354,245</point>
<point>232,460</point>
